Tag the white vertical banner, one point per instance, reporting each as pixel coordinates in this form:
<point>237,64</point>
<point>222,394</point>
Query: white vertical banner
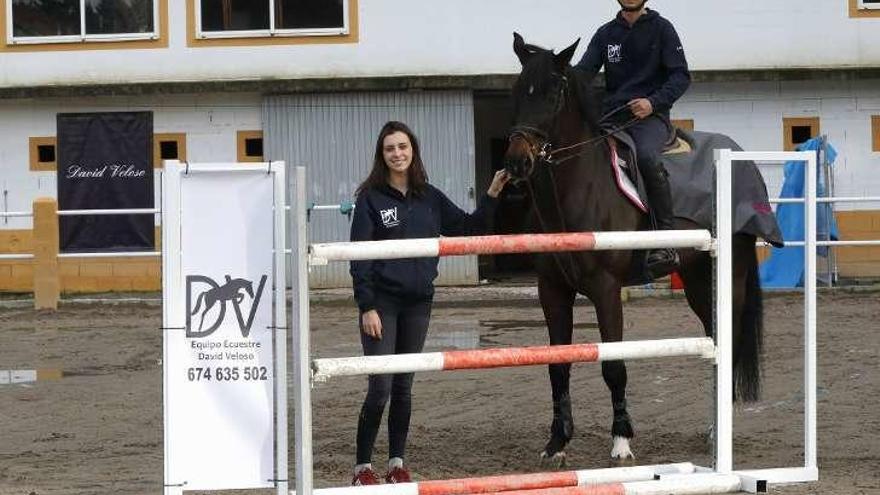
<point>219,303</point>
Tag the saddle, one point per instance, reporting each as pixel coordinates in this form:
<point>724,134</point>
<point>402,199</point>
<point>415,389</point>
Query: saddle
<point>624,158</point>
<point>629,181</point>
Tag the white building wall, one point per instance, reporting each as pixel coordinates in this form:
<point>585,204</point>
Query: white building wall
<point>420,37</point>
<point>209,121</point>
<point>398,37</point>
<point>752,113</point>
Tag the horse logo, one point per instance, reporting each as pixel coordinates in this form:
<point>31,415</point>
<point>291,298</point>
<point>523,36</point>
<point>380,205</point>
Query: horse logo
<point>233,291</point>
<point>389,217</point>
<point>613,53</point>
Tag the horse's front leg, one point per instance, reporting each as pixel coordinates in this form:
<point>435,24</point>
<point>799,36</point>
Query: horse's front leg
<point>557,302</point>
<point>604,291</point>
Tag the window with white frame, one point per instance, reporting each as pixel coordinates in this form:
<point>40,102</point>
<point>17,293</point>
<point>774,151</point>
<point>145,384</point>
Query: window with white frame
<point>869,4</point>
<point>54,21</point>
<point>254,18</point>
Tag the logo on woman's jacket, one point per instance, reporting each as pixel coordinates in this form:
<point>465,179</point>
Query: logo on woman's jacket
<point>389,217</point>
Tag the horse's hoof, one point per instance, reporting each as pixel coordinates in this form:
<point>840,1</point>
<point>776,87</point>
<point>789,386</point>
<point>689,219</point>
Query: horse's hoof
<point>555,461</point>
<point>621,454</point>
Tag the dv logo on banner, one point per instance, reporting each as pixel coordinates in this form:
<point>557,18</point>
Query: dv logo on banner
<point>223,313</point>
<point>233,291</point>
<point>105,161</point>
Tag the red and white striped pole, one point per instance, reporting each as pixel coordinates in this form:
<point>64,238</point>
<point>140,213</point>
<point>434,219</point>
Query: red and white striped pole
<point>323,369</point>
<point>691,484</point>
<point>637,482</point>
<point>508,244</point>
<point>531,481</point>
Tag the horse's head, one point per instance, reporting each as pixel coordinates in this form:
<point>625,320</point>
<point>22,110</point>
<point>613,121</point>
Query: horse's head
<point>539,96</point>
<point>238,284</point>
<point>248,287</point>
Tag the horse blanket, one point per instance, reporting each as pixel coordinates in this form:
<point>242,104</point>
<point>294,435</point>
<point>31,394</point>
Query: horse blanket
<point>692,183</point>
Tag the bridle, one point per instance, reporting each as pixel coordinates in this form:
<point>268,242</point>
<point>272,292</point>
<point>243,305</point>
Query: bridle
<point>541,147</point>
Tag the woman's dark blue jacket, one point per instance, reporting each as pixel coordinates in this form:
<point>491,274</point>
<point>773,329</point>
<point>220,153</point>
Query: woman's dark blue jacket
<point>383,213</point>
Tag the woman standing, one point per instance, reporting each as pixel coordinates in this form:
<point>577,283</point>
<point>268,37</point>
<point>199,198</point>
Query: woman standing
<point>394,296</point>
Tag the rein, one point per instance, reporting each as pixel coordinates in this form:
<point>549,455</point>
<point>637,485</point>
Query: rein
<point>561,259</point>
<point>545,152</point>
<point>548,153</point>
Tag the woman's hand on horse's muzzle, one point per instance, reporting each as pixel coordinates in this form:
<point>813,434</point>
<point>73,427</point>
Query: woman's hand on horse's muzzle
<point>518,169</point>
<point>519,160</point>
<point>498,182</point>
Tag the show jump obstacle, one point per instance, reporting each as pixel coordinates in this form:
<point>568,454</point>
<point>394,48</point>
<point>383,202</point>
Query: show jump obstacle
<point>261,468</point>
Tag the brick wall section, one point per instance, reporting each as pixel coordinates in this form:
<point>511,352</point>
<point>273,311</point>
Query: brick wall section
<point>16,276</point>
<point>861,261</point>
<point>110,275</point>
<point>15,241</point>
<point>145,274</point>
<point>79,275</point>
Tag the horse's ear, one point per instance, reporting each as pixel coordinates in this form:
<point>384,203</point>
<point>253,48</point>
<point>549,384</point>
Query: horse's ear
<point>520,48</point>
<point>564,57</point>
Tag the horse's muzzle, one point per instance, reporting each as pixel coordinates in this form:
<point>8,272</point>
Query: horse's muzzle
<point>519,160</point>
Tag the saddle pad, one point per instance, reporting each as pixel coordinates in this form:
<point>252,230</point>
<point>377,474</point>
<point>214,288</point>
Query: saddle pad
<point>621,177</point>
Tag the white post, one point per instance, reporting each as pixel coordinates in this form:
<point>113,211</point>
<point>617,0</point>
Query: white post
<point>172,298</point>
<point>810,461</point>
<point>724,311</point>
<point>281,472</point>
<point>809,472</point>
<point>301,360</point>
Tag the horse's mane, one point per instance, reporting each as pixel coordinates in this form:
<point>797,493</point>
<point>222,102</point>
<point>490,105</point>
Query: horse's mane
<point>589,101</point>
<point>542,63</point>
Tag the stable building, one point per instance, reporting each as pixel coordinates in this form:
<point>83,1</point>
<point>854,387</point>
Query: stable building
<point>310,82</point>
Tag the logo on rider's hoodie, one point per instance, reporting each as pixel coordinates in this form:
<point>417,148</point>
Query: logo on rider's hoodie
<point>613,53</point>
<point>234,291</point>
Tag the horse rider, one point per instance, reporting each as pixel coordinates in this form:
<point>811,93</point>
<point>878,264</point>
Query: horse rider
<point>645,73</point>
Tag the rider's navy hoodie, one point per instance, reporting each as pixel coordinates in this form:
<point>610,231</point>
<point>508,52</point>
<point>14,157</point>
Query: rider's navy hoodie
<point>645,60</point>
<point>384,213</point>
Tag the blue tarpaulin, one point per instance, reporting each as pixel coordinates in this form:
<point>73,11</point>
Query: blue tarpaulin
<point>785,266</point>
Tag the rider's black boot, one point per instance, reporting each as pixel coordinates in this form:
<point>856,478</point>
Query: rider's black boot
<point>660,262</point>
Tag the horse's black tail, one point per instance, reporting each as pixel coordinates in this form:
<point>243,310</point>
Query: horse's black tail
<point>747,369</point>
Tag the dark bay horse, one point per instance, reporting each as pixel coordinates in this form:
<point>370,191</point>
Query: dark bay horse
<point>577,192</point>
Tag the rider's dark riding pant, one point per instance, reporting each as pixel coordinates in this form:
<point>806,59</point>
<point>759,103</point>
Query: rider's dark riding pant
<point>404,327</point>
<point>650,135</point>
